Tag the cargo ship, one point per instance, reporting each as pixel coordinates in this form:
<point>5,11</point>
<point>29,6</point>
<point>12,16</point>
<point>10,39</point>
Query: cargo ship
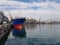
<point>18,27</point>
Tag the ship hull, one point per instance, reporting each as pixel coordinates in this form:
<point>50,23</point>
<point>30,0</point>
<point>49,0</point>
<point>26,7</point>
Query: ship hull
<point>18,31</point>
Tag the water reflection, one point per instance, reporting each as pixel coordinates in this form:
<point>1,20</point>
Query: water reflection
<point>21,33</point>
<point>30,26</point>
<point>37,35</point>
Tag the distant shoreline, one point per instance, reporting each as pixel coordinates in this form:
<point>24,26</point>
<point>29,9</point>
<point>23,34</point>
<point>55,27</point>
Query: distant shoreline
<point>44,23</point>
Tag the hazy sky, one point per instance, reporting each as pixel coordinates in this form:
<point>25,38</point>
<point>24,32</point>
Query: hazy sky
<point>44,9</point>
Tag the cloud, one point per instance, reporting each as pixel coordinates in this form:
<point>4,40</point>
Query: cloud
<point>44,10</point>
<point>30,1</point>
<point>8,5</point>
<point>12,5</point>
<point>3,0</point>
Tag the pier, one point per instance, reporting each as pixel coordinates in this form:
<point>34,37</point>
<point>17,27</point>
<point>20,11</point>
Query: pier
<point>4,32</point>
<point>3,38</point>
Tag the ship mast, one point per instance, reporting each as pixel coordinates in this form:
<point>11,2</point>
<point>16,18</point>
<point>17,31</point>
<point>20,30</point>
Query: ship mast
<point>10,16</point>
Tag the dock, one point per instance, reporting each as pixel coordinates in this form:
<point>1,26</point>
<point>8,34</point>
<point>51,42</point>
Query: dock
<point>4,32</point>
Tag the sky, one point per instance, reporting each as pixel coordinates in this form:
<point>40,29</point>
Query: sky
<point>37,9</point>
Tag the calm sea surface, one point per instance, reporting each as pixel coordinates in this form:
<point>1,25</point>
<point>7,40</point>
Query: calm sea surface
<point>47,34</point>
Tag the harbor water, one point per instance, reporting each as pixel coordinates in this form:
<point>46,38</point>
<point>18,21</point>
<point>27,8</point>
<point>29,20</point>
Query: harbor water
<point>43,34</point>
